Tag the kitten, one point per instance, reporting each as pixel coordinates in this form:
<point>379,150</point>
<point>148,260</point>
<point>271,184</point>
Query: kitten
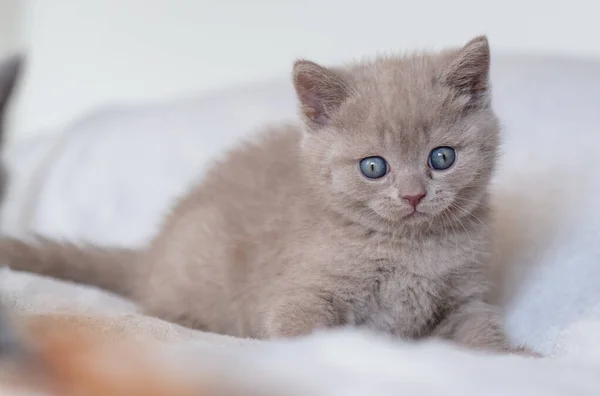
<point>372,213</point>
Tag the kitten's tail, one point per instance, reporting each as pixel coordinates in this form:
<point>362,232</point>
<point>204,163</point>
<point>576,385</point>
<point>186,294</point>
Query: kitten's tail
<point>113,269</point>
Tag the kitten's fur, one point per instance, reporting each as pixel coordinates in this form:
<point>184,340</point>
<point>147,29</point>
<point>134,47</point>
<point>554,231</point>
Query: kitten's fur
<point>285,235</point>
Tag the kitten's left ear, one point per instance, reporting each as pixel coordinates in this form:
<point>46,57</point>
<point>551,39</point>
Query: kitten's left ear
<point>469,71</point>
<point>320,91</point>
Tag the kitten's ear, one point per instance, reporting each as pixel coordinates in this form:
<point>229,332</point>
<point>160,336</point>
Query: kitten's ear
<point>469,71</point>
<point>320,91</point>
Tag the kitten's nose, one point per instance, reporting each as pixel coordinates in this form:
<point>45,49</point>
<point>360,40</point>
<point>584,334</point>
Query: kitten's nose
<point>414,199</point>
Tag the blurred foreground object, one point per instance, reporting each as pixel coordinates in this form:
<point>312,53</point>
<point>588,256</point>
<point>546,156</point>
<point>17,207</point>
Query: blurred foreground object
<point>59,355</point>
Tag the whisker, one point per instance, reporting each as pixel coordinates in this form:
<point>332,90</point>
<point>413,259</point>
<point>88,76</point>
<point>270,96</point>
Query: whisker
<point>468,236</point>
<point>465,212</point>
<point>456,248</point>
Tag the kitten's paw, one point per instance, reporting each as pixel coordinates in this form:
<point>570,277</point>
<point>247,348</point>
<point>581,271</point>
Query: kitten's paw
<point>299,315</point>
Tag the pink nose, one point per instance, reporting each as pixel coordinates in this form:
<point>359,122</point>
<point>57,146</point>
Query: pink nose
<point>414,199</point>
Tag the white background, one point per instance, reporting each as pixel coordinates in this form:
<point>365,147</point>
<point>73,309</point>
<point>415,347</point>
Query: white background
<point>88,53</point>
<point>10,23</point>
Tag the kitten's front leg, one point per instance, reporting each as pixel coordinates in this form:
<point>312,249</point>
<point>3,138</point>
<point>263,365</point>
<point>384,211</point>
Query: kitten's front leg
<point>478,325</point>
<point>300,314</point>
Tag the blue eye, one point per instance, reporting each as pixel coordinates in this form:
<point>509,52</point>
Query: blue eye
<point>441,158</point>
<point>373,167</point>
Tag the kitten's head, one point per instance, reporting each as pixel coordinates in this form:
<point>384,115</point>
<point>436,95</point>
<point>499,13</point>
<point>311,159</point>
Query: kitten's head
<point>401,141</point>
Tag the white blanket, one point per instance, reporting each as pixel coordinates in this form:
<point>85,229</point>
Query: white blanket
<point>110,177</point>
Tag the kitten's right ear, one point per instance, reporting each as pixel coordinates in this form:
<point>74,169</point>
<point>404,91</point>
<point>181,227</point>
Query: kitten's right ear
<point>469,70</point>
<point>319,90</point>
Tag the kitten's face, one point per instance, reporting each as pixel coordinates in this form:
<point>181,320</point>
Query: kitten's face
<point>413,141</point>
